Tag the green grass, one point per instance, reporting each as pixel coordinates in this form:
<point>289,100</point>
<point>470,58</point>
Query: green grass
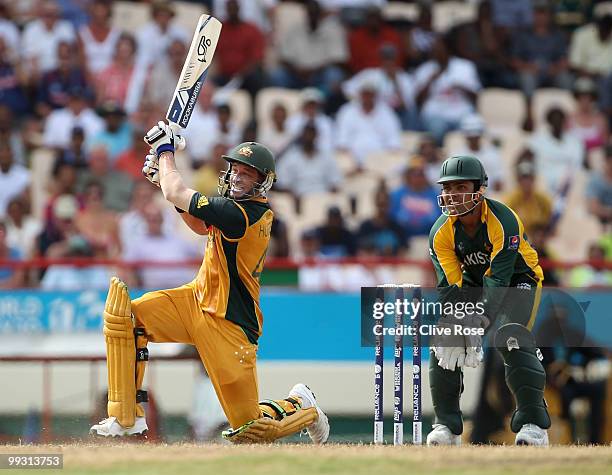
<point>285,459</point>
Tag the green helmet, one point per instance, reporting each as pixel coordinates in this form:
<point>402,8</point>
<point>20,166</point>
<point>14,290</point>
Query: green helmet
<point>463,167</point>
<point>254,155</point>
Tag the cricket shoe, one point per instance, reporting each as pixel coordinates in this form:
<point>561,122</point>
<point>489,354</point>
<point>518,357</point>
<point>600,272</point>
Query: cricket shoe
<point>531,434</point>
<point>318,431</point>
<point>442,435</point>
<point>110,427</point>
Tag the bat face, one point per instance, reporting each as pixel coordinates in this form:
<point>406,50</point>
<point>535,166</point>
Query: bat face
<point>194,71</point>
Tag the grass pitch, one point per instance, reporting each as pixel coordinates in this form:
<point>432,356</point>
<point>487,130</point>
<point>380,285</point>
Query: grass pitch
<point>302,459</point>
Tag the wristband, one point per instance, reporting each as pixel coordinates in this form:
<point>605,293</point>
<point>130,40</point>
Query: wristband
<point>179,210</point>
<point>165,147</point>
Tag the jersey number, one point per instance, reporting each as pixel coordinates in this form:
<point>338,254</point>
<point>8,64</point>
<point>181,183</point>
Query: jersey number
<point>259,266</point>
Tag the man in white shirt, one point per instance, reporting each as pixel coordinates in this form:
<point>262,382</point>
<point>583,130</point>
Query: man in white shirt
<point>312,101</point>
<point>446,88</point>
<point>9,32</point>
<point>306,169</point>
<point>41,37</point>
<point>590,51</point>
<point>558,154</point>
<point>61,122</point>
<point>367,125</point>
<point>14,179</point>
<point>155,37</point>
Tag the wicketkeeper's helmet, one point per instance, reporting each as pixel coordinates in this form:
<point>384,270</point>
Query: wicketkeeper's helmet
<point>462,168</point>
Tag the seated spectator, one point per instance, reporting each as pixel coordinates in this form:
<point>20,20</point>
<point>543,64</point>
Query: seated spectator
<point>123,80</point>
<point>116,137</point>
<point>11,133</point>
<point>312,53</point>
<point>9,31</point>
<point>117,185</point>
<point>311,111</point>
<point>540,56</point>
<point>587,122</point>
<point>335,239</point>
<point>202,134</point>
<point>421,37</point>
<point>381,235</point>
<point>488,47</point>
<point>446,90</point>
<point>590,51</point>
<point>14,179</point>
<point>156,246</point>
<point>305,169</point>
<point>77,113</point>
<point>473,129</point>
<point>240,52</point>
<point>532,205</point>
<point>366,125</point>
<point>558,154</point>
<point>131,161</point>
<point>228,130</point>
<point>275,133</point>
<point>22,229</point>
<point>12,81</point>
<point>161,83</point>
<point>10,278</point>
<point>432,154</point>
<point>75,153</point>
<point>365,42</point>
<point>594,273</point>
<point>48,30</point>
<point>98,38</point>
<point>599,191</point>
<point>414,205</point>
<point>396,86</point>
<point>155,37</point>
<point>55,84</point>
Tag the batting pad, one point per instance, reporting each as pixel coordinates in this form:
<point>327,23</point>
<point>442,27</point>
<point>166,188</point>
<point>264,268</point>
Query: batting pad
<point>120,354</point>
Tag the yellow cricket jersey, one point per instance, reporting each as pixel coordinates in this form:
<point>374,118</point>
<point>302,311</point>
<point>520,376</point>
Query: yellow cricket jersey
<point>227,284</point>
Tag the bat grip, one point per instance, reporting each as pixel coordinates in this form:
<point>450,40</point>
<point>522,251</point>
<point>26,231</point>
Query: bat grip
<point>180,143</point>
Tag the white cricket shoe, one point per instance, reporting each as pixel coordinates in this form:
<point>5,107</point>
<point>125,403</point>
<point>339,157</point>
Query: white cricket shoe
<point>531,434</point>
<point>318,431</point>
<point>442,435</point>
<point>110,427</point>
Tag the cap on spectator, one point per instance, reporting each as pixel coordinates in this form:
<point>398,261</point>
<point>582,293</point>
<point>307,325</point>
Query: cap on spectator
<point>526,168</point>
<point>472,125</point>
<point>65,207</point>
<point>162,6</point>
<point>311,94</point>
<point>111,108</point>
<point>585,85</point>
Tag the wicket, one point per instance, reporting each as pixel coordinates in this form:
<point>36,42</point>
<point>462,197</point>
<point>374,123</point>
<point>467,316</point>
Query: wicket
<point>398,372</point>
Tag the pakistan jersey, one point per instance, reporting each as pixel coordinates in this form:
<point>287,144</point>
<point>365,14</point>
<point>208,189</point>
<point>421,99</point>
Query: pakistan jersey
<point>227,284</point>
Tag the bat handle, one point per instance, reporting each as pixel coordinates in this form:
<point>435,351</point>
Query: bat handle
<point>180,144</point>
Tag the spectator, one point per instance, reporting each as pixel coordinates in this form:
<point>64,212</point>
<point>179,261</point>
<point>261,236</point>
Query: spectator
<point>429,150</point>
<point>161,83</point>
<point>473,129</point>
<point>590,51</point>
<point>366,125</point>
<point>228,130</point>
<point>47,30</point>
<point>261,12</point>
<point>538,238</point>
<point>131,161</point>
<point>335,239</point>
<point>55,84</point>
<point>240,52</point>
<point>421,37</point>
<point>117,134</point>
<point>313,53</point>
<point>275,133</point>
<point>155,37</point>
<point>156,246</point>
<point>414,205</point>
<point>365,42</point>
<point>123,80</point>
<point>312,102</point>
<point>117,185</point>
<point>599,191</point>
<point>77,113</point>
<point>587,122</point>
<point>306,169</point>
<point>10,278</point>
<point>593,273</point>
<point>540,57</point>
<point>64,183</point>
<point>512,14</point>
<point>488,47</point>
<point>98,225</point>
<point>74,154</point>
<point>11,133</point>
<point>446,89</point>
<point>9,31</point>
<point>11,83</point>
<point>21,228</point>
<point>558,154</point>
<point>533,206</point>
<point>206,176</point>
<point>98,38</point>
<point>396,86</point>
<point>381,235</point>
<point>14,179</point>
<point>202,134</point>
<point>279,239</point>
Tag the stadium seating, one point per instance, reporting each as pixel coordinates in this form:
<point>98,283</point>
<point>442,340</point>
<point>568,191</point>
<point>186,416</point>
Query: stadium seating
<point>266,98</point>
<point>545,98</point>
<point>501,109</point>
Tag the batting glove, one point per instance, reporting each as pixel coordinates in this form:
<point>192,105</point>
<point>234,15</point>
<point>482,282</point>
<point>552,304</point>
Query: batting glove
<point>151,168</point>
<point>162,138</point>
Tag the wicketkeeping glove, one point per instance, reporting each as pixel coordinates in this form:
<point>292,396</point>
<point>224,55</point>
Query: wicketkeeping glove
<point>151,168</point>
<point>163,138</point>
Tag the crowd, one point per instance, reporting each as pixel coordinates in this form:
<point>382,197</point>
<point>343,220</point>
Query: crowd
<point>74,84</point>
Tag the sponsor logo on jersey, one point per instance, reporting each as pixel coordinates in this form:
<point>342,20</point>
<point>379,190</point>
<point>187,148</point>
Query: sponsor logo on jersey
<point>513,243</point>
<point>202,201</point>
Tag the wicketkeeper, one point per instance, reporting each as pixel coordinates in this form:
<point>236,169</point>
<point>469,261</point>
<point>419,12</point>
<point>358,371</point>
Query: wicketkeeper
<point>218,311</point>
<point>479,243</point>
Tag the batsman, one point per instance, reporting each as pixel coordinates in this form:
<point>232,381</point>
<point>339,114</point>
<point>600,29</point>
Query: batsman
<point>218,311</point>
<point>479,248</point>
